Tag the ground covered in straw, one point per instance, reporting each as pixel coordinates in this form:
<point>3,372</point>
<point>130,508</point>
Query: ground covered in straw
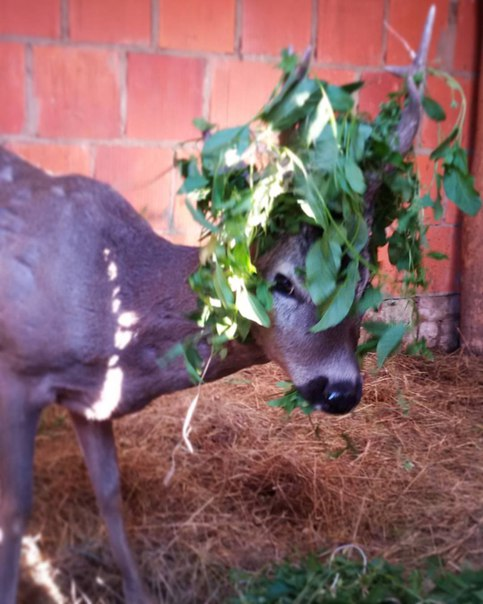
<point>402,477</point>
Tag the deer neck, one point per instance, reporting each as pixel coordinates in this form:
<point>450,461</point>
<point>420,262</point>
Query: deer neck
<point>162,302</point>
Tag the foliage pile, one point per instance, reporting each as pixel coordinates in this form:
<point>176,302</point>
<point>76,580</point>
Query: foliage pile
<point>341,580</point>
<point>309,158</point>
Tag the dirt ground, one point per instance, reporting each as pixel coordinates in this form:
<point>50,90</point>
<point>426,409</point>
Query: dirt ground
<point>402,477</point>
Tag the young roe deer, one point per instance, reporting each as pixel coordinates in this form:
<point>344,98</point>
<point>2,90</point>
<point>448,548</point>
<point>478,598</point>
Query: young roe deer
<point>91,298</point>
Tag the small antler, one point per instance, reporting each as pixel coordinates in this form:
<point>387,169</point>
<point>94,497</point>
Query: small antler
<point>408,124</point>
<point>411,114</point>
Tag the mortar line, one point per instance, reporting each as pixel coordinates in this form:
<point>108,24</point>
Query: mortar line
<point>314,26</point>
<point>64,20</point>
<point>30,106</point>
<point>385,19</point>
<point>123,97</point>
<point>239,28</point>
<point>207,90</point>
<point>155,23</point>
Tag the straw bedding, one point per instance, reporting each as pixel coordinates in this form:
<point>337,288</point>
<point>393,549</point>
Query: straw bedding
<point>402,477</point>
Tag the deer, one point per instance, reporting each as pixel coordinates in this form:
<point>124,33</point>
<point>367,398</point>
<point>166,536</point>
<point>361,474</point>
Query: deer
<point>91,298</point>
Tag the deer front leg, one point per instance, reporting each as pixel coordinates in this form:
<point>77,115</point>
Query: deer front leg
<point>97,443</point>
<point>18,424</point>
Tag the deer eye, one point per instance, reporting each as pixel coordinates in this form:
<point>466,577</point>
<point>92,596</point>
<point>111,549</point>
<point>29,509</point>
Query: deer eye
<point>283,285</point>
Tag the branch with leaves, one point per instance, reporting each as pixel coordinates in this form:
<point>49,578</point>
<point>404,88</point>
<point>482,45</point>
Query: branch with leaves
<point>309,158</point>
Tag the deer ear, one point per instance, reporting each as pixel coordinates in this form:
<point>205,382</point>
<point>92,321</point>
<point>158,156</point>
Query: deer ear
<point>310,232</point>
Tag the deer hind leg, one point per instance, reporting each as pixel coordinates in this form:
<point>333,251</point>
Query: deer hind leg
<point>97,443</point>
<point>18,424</point>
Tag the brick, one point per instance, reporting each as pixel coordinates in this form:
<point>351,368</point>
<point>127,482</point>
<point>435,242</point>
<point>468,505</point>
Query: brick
<point>437,308</point>
<point>54,158</point>
<point>389,275</point>
<point>270,25</point>
<point>432,133</point>
<point>335,76</point>
<point>164,96</point>
<point>76,92</point>
<point>439,320</point>
<point>377,85</point>
<point>27,18</point>
<point>350,33</point>
<point>467,43</point>
<point>407,17</point>
<point>443,275</point>
<point>207,25</point>
<point>393,310</point>
<point>231,104</point>
<point>12,105</point>
<point>110,20</point>
<point>430,332</point>
<point>449,335</point>
<point>143,176</point>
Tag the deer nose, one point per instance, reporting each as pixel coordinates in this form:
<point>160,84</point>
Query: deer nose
<point>336,398</point>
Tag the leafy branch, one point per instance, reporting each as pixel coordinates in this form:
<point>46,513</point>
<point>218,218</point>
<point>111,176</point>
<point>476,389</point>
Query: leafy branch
<point>309,158</point>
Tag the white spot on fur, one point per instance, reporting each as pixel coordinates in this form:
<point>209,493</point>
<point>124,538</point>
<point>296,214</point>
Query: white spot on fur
<point>113,361</point>
<point>127,319</point>
<point>122,338</point>
<point>110,395</point>
<point>116,305</point>
<point>112,271</point>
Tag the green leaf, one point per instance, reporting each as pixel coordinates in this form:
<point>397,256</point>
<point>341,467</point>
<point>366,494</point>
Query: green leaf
<point>437,255</point>
<point>341,302</point>
<point>444,147</point>
<point>389,341</point>
<point>376,328</point>
<point>459,188</point>
<point>426,201</point>
<point>339,98</point>
<point>322,266</point>
<point>250,308</point>
<point>460,159</point>
<point>295,106</point>
<point>200,218</point>
<point>288,62</point>
<point>194,180</point>
<point>325,155</point>
<point>352,86</point>
<point>371,298</point>
<point>322,115</point>
<point>222,288</point>
<point>307,187</point>
<point>222,141</point>
<point>202,125</point>
<point>359,140</point>
<point>354,176</point>
<point>433,109</point>
<point>357,231</point>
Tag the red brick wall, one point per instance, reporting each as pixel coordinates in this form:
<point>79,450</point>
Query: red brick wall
<point>108,87</point>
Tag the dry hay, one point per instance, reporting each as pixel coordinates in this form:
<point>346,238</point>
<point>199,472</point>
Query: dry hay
<point>402,477</point>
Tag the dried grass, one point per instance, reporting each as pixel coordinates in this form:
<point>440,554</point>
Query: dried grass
<point>402,477</point>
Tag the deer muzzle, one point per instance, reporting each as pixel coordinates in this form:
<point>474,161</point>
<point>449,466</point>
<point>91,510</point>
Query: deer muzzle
<point>337,398</point>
